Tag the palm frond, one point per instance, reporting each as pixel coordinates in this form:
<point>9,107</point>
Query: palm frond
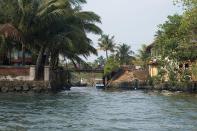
<point>92,28</point>
<point>88,16</point>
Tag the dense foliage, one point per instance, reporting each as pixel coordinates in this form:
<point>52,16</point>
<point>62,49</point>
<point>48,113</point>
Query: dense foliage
<point>107,43</point>
<point>99,62</point>
<point>124,54</point>
<point>176,43</point>
<point>143,56</point>
<point>177,37</point>
<point>51,28</point>
<point>112,64</point>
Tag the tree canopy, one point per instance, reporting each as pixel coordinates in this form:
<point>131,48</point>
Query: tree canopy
<point>124,54</point>
<point>107,43</point>
<point>52,28</point>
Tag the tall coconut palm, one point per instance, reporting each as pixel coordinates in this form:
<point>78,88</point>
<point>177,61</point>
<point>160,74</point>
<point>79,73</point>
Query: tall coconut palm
<point>67,32</point>
<point>143,55</point>
<point>124,53</point>
<point>69,35</point>
<point>107,43</point>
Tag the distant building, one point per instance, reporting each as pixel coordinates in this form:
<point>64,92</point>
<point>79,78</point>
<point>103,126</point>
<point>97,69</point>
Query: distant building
<point>155,53</point>
<point>153,64</point>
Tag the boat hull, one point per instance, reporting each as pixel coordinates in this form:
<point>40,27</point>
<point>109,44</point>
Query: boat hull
<point>100,87</point>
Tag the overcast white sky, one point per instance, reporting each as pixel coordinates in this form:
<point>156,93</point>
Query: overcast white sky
<point>131,21</point>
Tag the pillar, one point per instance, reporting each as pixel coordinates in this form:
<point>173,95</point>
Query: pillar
<point>46,73</point>
<point>32,71</point>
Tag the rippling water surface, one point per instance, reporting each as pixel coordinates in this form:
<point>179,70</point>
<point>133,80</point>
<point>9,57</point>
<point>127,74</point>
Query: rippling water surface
<point>87,109</point>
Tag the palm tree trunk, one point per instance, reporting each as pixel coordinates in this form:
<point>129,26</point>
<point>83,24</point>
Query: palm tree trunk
<point>67,73</point>
<point>106,54</point>
<point>47,53</point>
<point>54,60</point>
<point>23,54</point>
<point>10,56</point>
<point>39,75</point>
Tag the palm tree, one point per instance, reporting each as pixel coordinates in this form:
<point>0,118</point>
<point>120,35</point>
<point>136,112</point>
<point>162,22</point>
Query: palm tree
<point>54,28</point>
<point>24,15</point>
<point>69,36</point>
<point>100,61</point>
<point>124,53</point>
<point>143,55</point>
<point>107,43</point>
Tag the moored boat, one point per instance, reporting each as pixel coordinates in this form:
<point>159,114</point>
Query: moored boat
<point>100,86</point>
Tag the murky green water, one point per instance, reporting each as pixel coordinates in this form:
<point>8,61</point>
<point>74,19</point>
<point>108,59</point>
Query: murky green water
<point>86,109</point>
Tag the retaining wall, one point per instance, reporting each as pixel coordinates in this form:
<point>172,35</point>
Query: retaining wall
<point>24,86</point>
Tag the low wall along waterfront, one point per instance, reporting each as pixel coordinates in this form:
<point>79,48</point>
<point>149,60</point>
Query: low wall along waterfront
<point>24,86</point>
<point>21,79</point>
<point>27,73</point>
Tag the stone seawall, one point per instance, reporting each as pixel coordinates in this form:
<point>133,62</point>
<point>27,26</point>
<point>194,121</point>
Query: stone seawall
<point>24,86</point>
<point>128,85</point>
<point>183,87</point>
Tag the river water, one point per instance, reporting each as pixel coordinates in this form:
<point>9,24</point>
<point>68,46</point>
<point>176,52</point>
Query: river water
<point>87,109</point>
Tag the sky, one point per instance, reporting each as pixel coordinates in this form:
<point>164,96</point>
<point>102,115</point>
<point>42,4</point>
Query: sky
<point>133,22</point>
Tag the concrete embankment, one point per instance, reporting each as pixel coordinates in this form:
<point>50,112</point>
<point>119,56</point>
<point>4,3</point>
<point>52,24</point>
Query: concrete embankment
<point>184,87</point>
<point>24,86</point>
<point>180,87</point>
<point>138,79</point>
<point>21,79</point>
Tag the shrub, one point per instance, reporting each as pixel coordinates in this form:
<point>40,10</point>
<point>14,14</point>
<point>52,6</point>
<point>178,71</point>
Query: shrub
<point>111,65</point>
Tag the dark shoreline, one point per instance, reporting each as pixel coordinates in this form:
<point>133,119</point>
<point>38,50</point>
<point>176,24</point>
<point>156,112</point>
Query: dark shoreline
<point>190,87</point>
<point>24,86</point>
<point>29,87</point>
<point>45,87</point>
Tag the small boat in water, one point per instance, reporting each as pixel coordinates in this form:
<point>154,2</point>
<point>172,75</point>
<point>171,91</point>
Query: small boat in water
<point>100,86</point>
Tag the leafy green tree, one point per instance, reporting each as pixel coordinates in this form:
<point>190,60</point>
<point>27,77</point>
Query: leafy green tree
<point>100,61</point>
<point>189,21</point>
<point>112,64</point>
<point>107,43</point>
<point>169,37</point>
<point>187,3</point>
<point>176,40</point>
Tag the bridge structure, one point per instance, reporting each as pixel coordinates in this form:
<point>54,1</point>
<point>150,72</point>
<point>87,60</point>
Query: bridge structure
<point>85,76</point>
<point>85,70</point>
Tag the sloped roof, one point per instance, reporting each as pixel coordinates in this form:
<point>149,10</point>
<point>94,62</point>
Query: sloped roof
<point>9,31</point>
<point>149,47</point>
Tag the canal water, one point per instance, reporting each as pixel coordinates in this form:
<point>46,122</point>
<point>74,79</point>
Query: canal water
<point>87,109</point>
